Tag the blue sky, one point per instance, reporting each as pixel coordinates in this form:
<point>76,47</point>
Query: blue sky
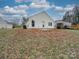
<point>57,2</point>
<point>64,2</point>
<point>55,8</point>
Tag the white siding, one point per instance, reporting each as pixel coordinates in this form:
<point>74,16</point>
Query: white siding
<point>40,19</point>
<point>4,24</point>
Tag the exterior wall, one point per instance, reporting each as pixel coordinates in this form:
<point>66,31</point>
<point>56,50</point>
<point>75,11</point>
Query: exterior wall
<point>63,24</point>
<point>40,20</point>
<point>5,26</point>
<point>9,26</point>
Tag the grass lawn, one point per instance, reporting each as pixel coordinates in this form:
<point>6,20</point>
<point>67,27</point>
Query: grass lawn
<point>39,44</point>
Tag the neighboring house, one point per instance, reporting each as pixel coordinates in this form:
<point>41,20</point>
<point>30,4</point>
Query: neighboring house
<point>62,24</point>
<point>39,20</point>
<point>72,16</point>
<point>4,24</point>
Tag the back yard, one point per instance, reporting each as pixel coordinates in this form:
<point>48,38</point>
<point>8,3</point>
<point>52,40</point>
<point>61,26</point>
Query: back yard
<point>39,44</point>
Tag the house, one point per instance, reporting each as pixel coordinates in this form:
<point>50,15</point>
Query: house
<point>62,24</point>
<point>4,24</point>
<point>72,15</point>
<point>39,20</point>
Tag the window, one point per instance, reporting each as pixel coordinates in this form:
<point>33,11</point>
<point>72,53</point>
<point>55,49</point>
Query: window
<point>49,23</point>
<point>33,23</point>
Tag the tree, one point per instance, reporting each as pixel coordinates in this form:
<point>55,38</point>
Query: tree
<point>25,22</point>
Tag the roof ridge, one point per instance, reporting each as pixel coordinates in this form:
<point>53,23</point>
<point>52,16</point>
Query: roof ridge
<point>36,13</point>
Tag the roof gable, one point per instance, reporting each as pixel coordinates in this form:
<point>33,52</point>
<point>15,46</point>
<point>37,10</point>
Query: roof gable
<point>40,13</point>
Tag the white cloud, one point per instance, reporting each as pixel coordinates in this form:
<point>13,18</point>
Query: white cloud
<point>58,8</point>
<point>21,7</point>
<point>69,7</point>
<point>12,10</point>
<point>1,14</point>
<point>46,5</point>
<point>60,11</point>
<point>16,13</point>
<point>63,9</point>
<point>23,0</point>
<point>19,10</point>
<point>39,4</point>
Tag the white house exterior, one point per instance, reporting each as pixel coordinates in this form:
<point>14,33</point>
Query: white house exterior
<point>40,20</point>
<point>4,24</point>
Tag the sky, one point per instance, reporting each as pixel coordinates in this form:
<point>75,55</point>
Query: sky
<point>18,8</point>
<point>3,3</point>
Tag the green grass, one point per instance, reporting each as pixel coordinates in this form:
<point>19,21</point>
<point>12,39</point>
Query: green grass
<point>34,44</point>
<point>75,31</point>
